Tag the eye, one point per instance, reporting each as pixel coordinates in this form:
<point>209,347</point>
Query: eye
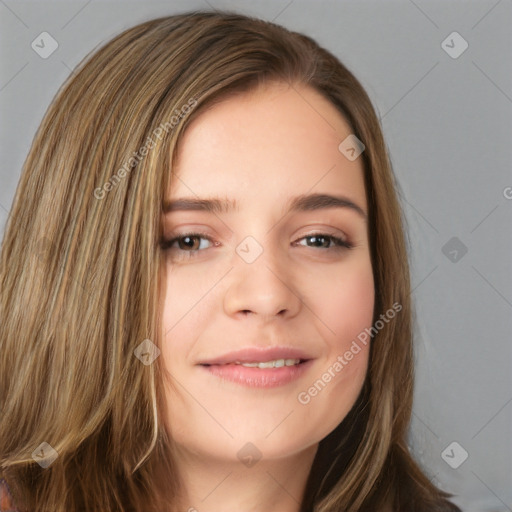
<point>324,240</point>
<point>187,242</point>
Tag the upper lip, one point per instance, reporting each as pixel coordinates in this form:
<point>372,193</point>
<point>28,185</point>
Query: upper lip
<point>258,354</point>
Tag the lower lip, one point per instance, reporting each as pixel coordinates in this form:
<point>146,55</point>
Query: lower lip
<point>259,377</point>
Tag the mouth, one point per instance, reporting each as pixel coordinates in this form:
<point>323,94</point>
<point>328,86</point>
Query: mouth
<point>264,365</point>
<point>259,374</point>
<point>260,357</point>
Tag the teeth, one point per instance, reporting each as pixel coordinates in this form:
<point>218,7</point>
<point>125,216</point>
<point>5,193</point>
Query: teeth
<point>278,363</point>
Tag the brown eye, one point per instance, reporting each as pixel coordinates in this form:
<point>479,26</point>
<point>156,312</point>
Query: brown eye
<point>188,242</point>
<point>323,241</point>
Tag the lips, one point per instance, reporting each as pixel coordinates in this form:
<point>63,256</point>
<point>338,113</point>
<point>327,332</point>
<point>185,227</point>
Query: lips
<point>258,355</point>
<point>256,377</point>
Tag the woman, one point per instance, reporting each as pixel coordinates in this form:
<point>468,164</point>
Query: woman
<point>205,290</point>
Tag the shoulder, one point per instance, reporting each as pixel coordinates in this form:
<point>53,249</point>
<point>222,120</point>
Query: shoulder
<point>6,503</point>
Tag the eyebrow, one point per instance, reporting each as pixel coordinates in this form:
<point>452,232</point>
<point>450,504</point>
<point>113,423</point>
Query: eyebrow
<point>302,203</point>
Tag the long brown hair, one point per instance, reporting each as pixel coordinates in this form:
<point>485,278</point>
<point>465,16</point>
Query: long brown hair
<point>80,275</point>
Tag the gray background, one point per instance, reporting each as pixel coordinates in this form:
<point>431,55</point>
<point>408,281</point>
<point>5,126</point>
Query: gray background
<point>448,125</point>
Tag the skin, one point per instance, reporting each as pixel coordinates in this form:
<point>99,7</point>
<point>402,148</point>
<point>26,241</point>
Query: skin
<point>262,148</point>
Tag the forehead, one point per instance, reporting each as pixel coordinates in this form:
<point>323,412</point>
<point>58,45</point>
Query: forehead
<point>272,142</point>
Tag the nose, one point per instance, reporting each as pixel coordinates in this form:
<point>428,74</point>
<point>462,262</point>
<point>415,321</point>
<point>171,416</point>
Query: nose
<point>266,287</point>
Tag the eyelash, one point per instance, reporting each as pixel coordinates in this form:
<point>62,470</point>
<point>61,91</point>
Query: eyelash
<point>339,243</point>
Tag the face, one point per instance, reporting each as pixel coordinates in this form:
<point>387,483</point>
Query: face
<point>273,273</point>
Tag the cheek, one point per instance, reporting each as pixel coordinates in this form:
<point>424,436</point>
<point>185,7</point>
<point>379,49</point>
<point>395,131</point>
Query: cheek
<point>346,310</point>
<point>179,321</point>
<point>187,308</point>
<point>345,302</point>
<point>182,291</point>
